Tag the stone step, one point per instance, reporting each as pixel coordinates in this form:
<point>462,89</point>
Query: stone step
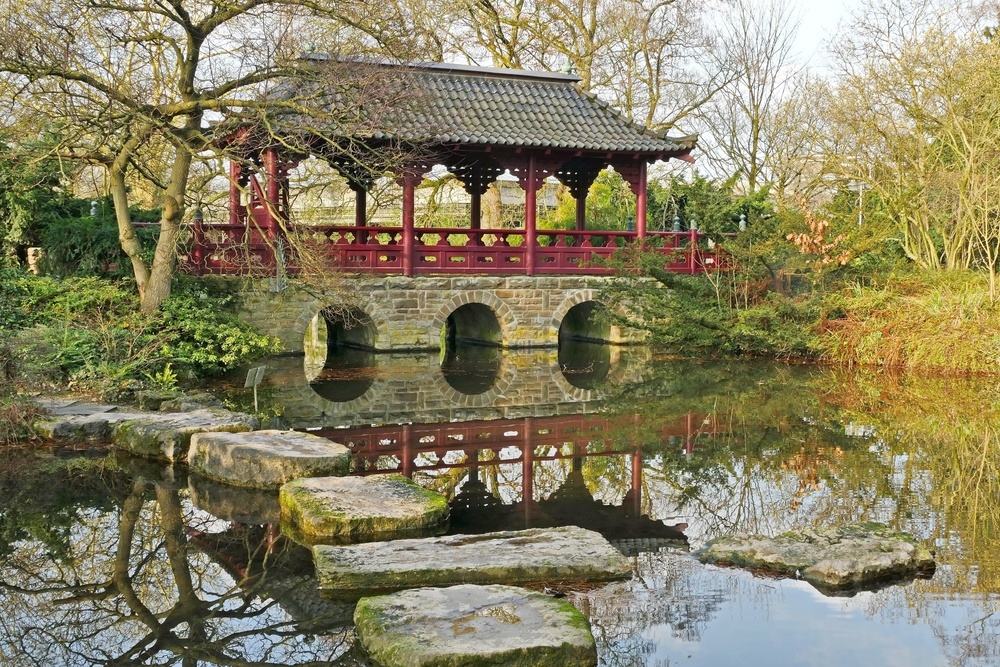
<point>266,459</point>
<point>360,509</point>
<point>167,436</point>
<point>513,557</point>
<point>473,625</point>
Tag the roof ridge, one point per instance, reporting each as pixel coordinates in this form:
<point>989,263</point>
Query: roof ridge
<point>448,68</point>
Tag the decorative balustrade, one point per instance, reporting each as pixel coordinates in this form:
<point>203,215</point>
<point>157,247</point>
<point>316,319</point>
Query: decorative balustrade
<point>237,249</point>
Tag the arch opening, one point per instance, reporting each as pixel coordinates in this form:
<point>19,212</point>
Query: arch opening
<point>340,354</point>
<point>350,328</point>
<point>472,324</point>
<point>584,322</point>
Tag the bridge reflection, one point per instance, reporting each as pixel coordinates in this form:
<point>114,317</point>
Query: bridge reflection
<point>521,446</point>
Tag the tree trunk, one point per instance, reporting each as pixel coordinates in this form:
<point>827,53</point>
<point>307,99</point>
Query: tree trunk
<point>126,232</point>
<point>165,258</point>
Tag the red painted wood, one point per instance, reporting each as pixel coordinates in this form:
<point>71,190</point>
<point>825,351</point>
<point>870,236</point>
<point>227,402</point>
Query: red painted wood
<point>514,441</point>
<point>640,203</point>
<point>236,249</point>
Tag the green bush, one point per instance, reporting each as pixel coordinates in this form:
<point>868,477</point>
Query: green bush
<point>88,333</point>
<point>87,246</point>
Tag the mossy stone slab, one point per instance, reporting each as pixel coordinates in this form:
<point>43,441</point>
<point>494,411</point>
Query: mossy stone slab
<point>474,626</point>
<point>358,509</point>
<point>98,427</point>
<point>568,553</point>
<point>856,556</point>
<point>167,436</point>
<point>266,459</point>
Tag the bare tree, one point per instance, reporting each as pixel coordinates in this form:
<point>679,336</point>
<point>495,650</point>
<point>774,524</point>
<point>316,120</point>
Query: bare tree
<point>916,105</point>
<point>644,56</point>
<point>756,48</point>
<point>132,86</point>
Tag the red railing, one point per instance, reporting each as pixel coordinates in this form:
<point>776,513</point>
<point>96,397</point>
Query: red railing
<point>591,435</point>
<point>227,249</point>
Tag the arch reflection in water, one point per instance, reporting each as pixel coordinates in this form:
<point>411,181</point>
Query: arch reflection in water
<point>584,364</point>
<point>471,369</point>
<point>348,374</point>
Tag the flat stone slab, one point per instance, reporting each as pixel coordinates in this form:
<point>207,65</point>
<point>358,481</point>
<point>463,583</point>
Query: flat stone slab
<point>513,557</point>
<point>97,427</point>
<point>168,435</point>
<point>472,626</point>
<point>266,459</point>
<point>856,556</point>
<point>359,509</point>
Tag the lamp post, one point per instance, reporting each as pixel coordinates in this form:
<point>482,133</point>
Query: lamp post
<point>860,187</point>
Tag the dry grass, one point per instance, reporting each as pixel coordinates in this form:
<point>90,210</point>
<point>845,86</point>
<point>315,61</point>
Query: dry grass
<point>941,322</point>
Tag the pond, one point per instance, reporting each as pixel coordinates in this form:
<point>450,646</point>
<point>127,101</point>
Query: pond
<point>108,560</point>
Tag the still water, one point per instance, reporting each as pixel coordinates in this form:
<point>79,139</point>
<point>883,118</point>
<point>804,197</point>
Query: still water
<point>105,560</point>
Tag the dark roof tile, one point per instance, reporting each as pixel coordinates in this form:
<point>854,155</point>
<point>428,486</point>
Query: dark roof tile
<point>473,105</point>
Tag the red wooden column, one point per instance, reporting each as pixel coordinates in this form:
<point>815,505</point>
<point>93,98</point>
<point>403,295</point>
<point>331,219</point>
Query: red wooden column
<point>236,212</point>
<point>272,204</point>
<point>581,211</point>
<point>530,211</point>
<point>640,202</point>
<point>409,185</point>
<point>637,481</point>
<point>476,210</point>
<point>528,469</point>
<point>272,191</point>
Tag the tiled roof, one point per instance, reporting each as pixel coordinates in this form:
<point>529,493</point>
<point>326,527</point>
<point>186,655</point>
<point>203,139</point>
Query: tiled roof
<point>461,104</point>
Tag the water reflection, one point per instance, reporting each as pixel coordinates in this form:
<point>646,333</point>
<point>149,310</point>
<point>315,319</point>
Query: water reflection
<point>471,369</point>
<point>584,364</point>
<point>155,582</point>
<point>347,374</point>
<point>99,554</point>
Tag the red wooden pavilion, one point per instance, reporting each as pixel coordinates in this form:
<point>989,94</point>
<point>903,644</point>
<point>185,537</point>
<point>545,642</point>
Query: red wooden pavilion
<point>477,122</point>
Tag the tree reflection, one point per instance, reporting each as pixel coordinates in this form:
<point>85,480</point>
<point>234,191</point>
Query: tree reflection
<point>157,582</point>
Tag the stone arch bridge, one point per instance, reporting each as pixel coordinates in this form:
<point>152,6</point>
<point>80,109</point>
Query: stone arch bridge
<point>425,313</point>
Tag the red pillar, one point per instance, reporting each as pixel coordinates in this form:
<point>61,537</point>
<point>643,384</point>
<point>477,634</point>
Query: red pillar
<point>640,203</point>
<point>637,481</point>
<point>272,190</point>
<point>409,184</point>
<point>406,451</point>
<point>581,211</point>
<point>476,210</point>
<point>530,206</point>
<point>236,213</point>
<point>528,469</point>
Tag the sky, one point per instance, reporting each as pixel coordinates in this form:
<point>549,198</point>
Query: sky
<point>818,22</point>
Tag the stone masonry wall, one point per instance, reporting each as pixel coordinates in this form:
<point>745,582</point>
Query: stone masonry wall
<point>410,313</point>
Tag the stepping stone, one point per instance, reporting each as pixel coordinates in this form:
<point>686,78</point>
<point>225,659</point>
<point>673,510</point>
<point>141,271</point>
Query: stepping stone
<point>856,556</point>
<point>93,427</point>
<point>359,509</point>
<point>168,435</point>
<point>266,459</point>
<point>514,557</point>
<point>473,625</point>
<point>77,408</point>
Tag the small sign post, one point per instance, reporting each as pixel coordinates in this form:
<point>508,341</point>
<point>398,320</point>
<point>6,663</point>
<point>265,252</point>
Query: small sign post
<point>254,376</point>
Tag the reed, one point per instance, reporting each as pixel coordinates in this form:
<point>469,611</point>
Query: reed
<point>940,322</point>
